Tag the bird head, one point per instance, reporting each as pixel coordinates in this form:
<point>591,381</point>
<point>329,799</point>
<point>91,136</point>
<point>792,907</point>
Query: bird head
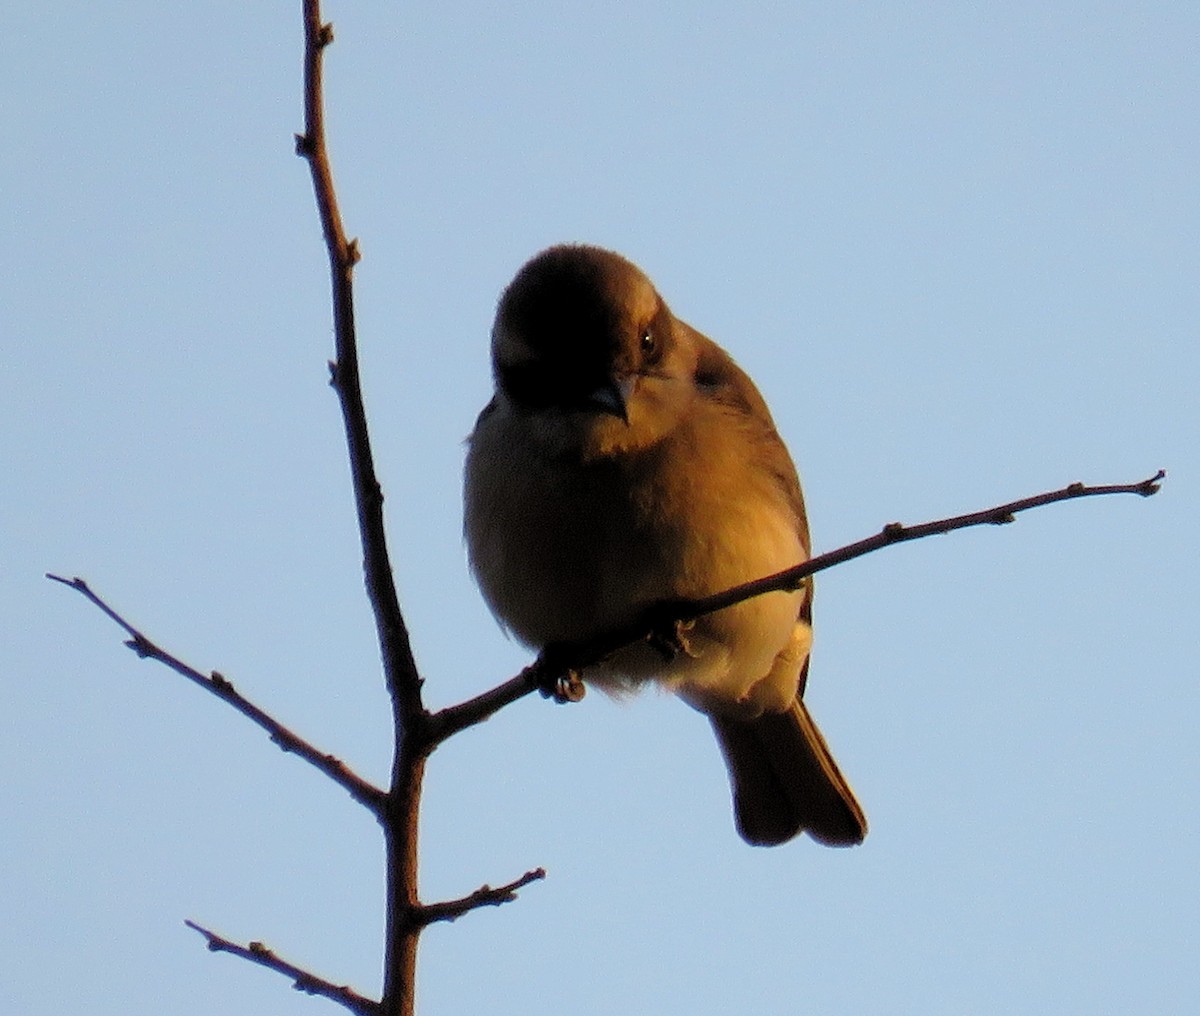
<point>586,348</point>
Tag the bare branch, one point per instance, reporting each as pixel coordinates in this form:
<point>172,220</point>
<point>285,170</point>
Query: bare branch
<point>302,980</point>
<point>484,896</point>
<point>400,817</point>
<point>892,533</point>
<point>560,683</point>
<point>660,624</point>
<point>399,665</point>
<point>361,790</point>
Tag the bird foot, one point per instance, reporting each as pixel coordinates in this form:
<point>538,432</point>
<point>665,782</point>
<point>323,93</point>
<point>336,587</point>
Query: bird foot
<point>553,681</point>
<point>670,639</point>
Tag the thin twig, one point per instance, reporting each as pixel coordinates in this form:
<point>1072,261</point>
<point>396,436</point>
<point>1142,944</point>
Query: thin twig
<point>894,532</point>
<point>449,721</point>
<point>401,816</point>
<point>484,896</point>
<point>398,661</point>
<point>660,623</point>
<point>361,790</point>
<point>302,980</point>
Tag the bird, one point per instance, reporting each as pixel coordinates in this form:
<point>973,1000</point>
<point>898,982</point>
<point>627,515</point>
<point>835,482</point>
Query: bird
<point>626,460</point>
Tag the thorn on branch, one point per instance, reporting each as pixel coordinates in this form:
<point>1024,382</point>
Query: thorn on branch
<point>353,254</point>
<point>142,646</point>
<point>325,34</point>
<point>304,146</point>
<point>75,583</point>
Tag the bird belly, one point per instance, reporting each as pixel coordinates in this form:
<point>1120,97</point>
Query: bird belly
<point>565,553</point>
<point>747,658</point>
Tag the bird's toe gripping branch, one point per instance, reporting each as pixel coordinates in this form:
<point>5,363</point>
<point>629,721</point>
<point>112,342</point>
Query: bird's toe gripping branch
<point>669,635</point>
<point>555,676</point>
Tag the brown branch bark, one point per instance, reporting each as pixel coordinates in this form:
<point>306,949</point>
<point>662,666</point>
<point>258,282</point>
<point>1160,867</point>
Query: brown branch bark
<point>361,790</point>
<point>398,809</point>
<point>660,624</point>
<point>302,980</point>
<point>412,746</point>
<point>484,896</point>
<point>399,665</point>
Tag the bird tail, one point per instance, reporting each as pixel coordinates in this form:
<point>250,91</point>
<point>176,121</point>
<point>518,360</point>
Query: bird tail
<point>785,780</point>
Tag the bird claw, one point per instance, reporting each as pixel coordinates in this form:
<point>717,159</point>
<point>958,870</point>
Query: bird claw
<point>564,688</point>
<point>554,681</point>
<point>569,687</point>
<point>669,638</point>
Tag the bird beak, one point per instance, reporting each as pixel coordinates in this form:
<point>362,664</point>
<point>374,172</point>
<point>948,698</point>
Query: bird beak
<point>612,397</point>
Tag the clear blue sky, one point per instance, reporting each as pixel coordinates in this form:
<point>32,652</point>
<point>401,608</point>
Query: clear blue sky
<point>956,244</point>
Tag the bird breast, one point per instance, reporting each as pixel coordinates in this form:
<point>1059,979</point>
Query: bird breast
<point>565,550</point>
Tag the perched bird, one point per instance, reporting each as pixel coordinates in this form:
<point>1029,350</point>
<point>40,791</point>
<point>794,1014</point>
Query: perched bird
<point>625,460</point>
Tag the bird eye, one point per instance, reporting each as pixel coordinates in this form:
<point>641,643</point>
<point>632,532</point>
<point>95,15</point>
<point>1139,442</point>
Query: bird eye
<point>649,343</point>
